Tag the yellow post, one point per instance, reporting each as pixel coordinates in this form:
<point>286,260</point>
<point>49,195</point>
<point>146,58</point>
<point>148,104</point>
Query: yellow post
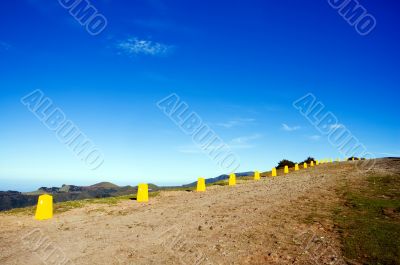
<point>331,160</point>
<point>201,184</point>
<point>317,163</point>
<point>296,167</point>
<point>232,179</point>
<point>286,170</point>
<point>305,165</point>
<point>256,175</point>
<point>143,193</point>
<point>273,174</point>
<point>312,163</point>
<point>352,158</point>
<point>44,209</point>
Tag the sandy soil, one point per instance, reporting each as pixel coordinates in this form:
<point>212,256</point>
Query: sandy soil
<point>255,222</point>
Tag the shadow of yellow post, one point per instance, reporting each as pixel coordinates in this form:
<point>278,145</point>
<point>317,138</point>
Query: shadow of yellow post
<point>312,163</point>
<point>256,175</point>
<point>201,184</point>
<point>44,209</point>
<point>286,170</point>
<point>232,179</point>
<point>143,193</point>
<point>296,167</point>
<point>273,173</point>
<point>305,165</point>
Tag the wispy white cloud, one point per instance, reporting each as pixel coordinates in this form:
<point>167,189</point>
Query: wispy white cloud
<point>189,149</point>
<point>336,126</point>
<point>395,154</point>
<point>236,122</point>
<point>135,46</point>
<point>315,137</point>
<point>4,46</point>
<point>287,128</point>
<point>242,142</point>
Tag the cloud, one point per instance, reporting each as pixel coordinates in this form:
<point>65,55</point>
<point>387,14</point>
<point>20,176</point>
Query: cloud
<point>315,137</point>
<point>336,126</point>
<point>135,46</point>
<point>4,46</point>
<point>395,154</point>
<point>287,128</point>
<point>244,141</point>
<point>191,149</point>
<point>235,122</point>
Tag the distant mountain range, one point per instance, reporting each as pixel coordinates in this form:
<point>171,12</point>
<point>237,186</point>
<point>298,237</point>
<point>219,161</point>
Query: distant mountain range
<point>15,199</point>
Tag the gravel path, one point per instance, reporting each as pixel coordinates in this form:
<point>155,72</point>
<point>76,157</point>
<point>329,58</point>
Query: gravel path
<point>255,222</point>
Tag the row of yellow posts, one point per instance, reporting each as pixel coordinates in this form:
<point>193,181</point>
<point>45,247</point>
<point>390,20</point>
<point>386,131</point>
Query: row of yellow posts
<point>44,209</point>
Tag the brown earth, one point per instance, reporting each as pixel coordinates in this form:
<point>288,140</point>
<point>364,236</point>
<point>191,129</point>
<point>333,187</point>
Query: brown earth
<point>282,220</point>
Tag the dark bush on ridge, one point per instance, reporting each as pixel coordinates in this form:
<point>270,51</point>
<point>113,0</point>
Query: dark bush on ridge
<point>351,158</point>
<point>284,163</point>
<point>308,160</point>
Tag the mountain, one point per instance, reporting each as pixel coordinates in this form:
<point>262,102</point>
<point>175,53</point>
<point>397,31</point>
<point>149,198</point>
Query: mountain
<point>15,199</point>
<point>104,185</point>
<point>219,178</point>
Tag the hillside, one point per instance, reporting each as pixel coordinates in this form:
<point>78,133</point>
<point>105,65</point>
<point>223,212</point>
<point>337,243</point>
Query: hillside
<point>14,199</point>
<point>329,214</point>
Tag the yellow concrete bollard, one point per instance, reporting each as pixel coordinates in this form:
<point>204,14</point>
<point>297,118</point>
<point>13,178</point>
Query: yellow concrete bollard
<point>201,184</point>
<point>305,165</point>
<point>312,163</point>
<point>273,173</point>
<point>296,167</point>
<point>232,179</point>
<point>286,170</point>
<point>256,175</point>
<point>44,209</point>
<point>352,159</point>
<point>143,193</point>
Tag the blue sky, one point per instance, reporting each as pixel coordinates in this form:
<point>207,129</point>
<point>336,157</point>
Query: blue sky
<point>238,65</point>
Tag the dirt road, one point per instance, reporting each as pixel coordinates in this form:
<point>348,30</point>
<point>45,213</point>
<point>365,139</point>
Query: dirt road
<point>271,221</point>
